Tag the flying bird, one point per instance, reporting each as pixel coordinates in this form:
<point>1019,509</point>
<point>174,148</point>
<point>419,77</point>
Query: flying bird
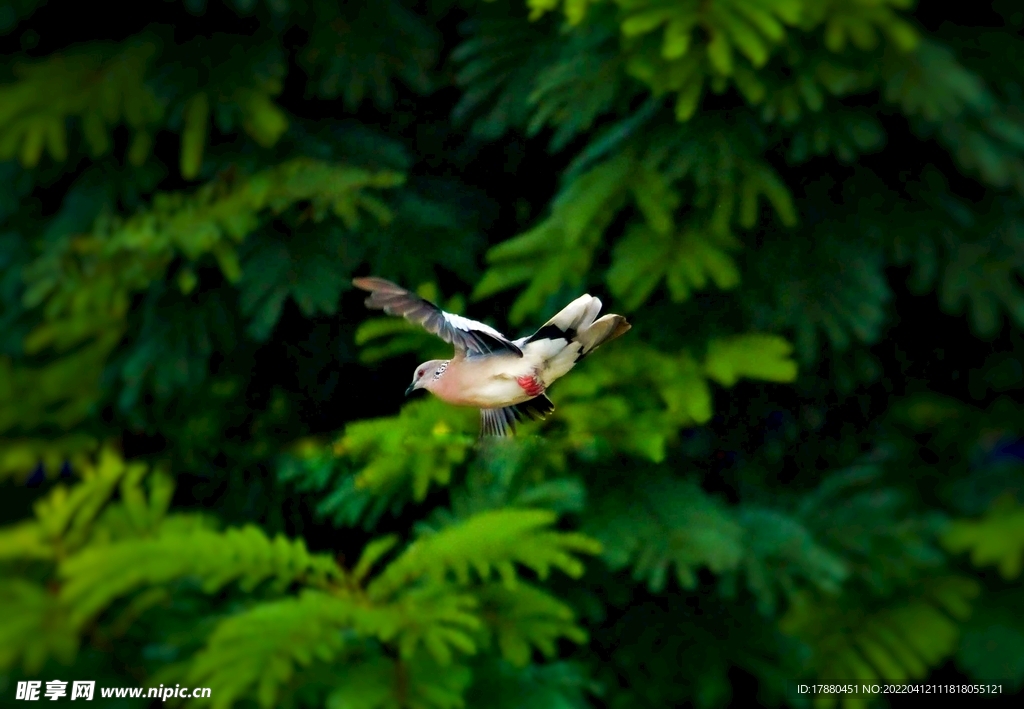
<point>505,379</point>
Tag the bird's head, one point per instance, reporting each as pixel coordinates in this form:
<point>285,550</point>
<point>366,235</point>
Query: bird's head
<point>426,375</point>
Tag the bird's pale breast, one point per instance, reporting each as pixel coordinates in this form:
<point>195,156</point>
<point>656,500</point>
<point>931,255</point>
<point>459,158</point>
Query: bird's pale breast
<point>484,382</point>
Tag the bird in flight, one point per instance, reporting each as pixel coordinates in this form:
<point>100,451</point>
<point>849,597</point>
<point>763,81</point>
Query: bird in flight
<point>505,379</point>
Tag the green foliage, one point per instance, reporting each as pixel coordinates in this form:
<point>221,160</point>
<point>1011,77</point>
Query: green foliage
<point>560,685</point>
<point>96,576</point>
<point>983,274</point>
<point>755,356</point>
<point>536,79</point>
<point>166,361</point>
<point>498,63</point>
<point>275,636</point>
<point>280,635</point>
<point>420,685</point>
<point>992,640</point>
<point>563,244</point>
<point>680,47</point>
<point>106,86</point>
<point>955,104</point>
<point>101,91</point>
<point>66,518</point>
<point>845,134</point>
<point>716,179</point>
<point>487,541</point>
<point>359,51</point>
<point>795,467</point>
<point>997,539</point>
<point>37,629</point>
<point>209,222</point>
<point>664,524</point>
<point>429,459</point>
<point>303,269</point>
<point>84,284</point>
<point>527,617</point>
<point>669,523</point>
<point>639,398</point>
<point>843,296</point>
<point>20,456</point>
<point>108,550</point>
<point>900,641</point>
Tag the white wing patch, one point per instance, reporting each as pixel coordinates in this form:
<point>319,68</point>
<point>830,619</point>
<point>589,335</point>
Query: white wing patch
<point>552,358</point>
<point>467,325</point>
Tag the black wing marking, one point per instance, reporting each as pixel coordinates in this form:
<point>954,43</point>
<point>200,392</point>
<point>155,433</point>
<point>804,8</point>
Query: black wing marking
<point>464,334</point>
<point>552,332</point>
<point>539,407</point>
<point>502,422</point>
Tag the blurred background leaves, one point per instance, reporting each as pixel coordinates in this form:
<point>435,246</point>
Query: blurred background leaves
<point>805,463</point>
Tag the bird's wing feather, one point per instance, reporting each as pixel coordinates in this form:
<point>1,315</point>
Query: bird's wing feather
<point>502,422</point>
<point>472,337</point>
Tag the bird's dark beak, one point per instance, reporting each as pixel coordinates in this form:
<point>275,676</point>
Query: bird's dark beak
<point>410,389</point>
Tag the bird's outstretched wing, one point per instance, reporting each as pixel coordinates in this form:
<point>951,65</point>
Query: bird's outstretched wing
<point>472,337</point>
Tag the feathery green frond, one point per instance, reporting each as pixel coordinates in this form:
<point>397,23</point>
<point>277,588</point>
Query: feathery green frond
<point>781,554</point>
<point>65,516</point>
<point>101,88</point>
<point>560,685</point>
<point>383,683</point>
<point>754,184</point>
<point>667,526</point>
<point>953,103</point>
<point>992,640</point>
<point>497,66</point>
<point>123,256</point>
<point>559,250</point>
<point>898,641</point>
<point>727,186</point>
<point>257,650</point>
<point>361,51</point>
<point>19,456</point>
<point>95,576</point>
<point>525,618</point>
<point>36,627</point>
<point>844,295</point>
<point>669,391</point>
<point>85,283</point>
<point>765,357</point>
<point>585,82</point>
<point>435,436</point>
<point>492,541</point>
<point>997,539</point>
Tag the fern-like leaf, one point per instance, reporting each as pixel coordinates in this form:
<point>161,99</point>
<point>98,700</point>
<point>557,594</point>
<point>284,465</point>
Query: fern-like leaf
<point>36,627</point>
<point>490,541</point>
<point>896,642</point>
<point>99,574</point>
<point>997,538</point>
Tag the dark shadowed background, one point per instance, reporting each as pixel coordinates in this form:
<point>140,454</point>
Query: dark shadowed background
<point>804,464</point>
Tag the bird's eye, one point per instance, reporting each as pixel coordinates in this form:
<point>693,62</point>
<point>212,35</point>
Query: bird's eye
<point>419,373</point>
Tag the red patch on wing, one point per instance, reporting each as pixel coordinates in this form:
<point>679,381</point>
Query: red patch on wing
<point>530,385</point>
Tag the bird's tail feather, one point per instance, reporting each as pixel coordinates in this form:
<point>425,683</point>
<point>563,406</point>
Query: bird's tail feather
<point>577,315</point>
<point>575,324</point>
<point>603,330</point>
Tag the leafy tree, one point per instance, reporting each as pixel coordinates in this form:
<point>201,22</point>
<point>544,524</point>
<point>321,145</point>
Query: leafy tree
<point>802,464</point>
